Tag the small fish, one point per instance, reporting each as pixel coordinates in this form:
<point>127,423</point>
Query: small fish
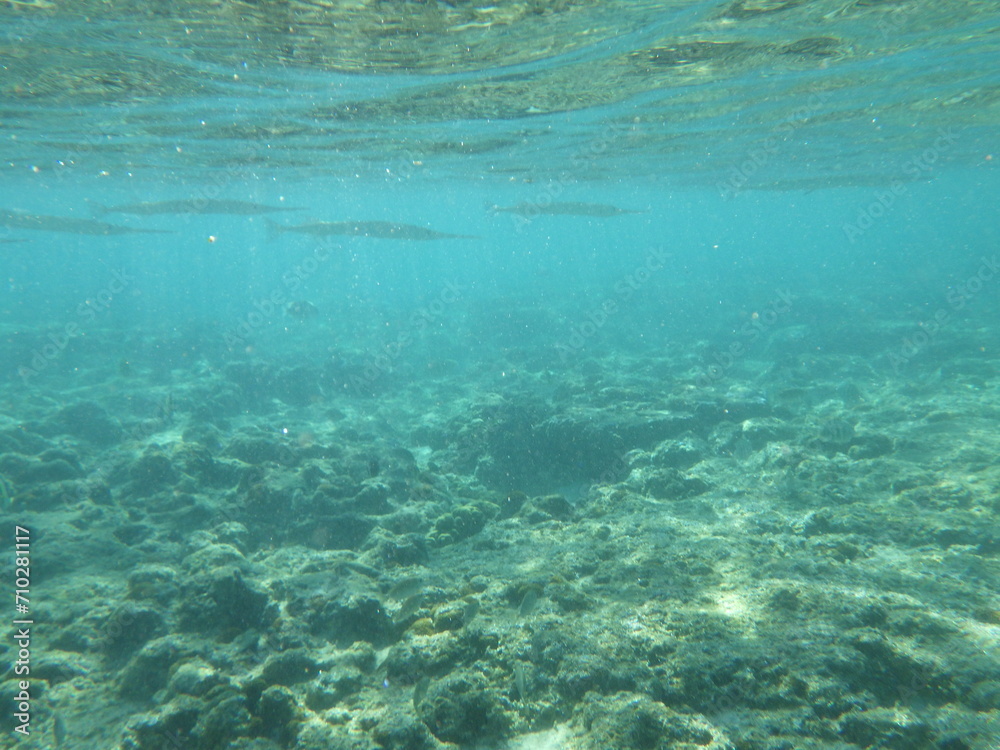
<point>837,432</point>
<point>742,450</point>
<point>11,241</point>
<point>380,230</point>
<point>6,492</point>
<point>408,608</point>
<point>40,222</point>
<point>405,588</point>
<point>527,209</point>
<point>167,409</point>
<point>189,206</point>
<point>301,309</point>
<point>528,603</point>
<point>470,610</point>
<point>420,690</point>
<point>58,730</point>
<point>359,568</point>
<point>520,680</point>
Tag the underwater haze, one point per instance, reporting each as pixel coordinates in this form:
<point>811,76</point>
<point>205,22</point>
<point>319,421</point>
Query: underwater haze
<point>571,375</point>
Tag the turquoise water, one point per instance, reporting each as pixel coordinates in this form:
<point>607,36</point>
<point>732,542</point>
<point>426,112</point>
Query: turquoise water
<point>517,375</point>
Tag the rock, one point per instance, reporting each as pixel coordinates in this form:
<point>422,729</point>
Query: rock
<point>333,686</point>
<point>9,689</point>
<point>679,454</point>
<point>215,555</point>
<point>290,667</point>
<point>222,600</point>
<point>131,534</point>
<point>890,728</point>
<point>510,503</point>
<point>268,503</point>
<point>60,454</point>
<point>871,446</point>
<point>175,720</point>
<point>55,666</point>
<point>129,627</point>
<point>462,707</point>
<point>398,549</point>
<point>15,465</point>
<point>461,523</point>
<point>89,421</point>
<point>984,696</point>
<point>22,440</point>
<point>202,434</point>
<point>155,582</point>
<point>260,743</point>
<point>404,731</point>
<point>224,722</point>
<point>631,721</point>
<point>29,470</point>
<point>152,471</point>
<point>449,616</point>
<point>358,618</point>
<point>234,534</point>
<point>549,506</point>
<point>196,461</point>
<point>50,471</point>
<point>671,484</point>
<point>148,670</point>
<point>259,450</point>
<point>194,678</point>
<point>329,532</point>
<point>238,604</point>
<point>278,711</point>
<point>373,500</point>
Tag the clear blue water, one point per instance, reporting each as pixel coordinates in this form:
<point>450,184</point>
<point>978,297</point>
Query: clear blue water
<point>765,392</point>
<point>725,256</point>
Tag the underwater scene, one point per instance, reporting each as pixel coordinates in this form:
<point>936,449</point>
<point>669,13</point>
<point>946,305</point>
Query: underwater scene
<point>511,375</point>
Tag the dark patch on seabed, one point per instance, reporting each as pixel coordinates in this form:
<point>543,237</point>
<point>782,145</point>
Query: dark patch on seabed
<point>609,552</point>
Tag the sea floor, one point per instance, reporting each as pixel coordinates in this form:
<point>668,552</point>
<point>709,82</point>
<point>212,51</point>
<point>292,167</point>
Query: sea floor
<point>621,549</point>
